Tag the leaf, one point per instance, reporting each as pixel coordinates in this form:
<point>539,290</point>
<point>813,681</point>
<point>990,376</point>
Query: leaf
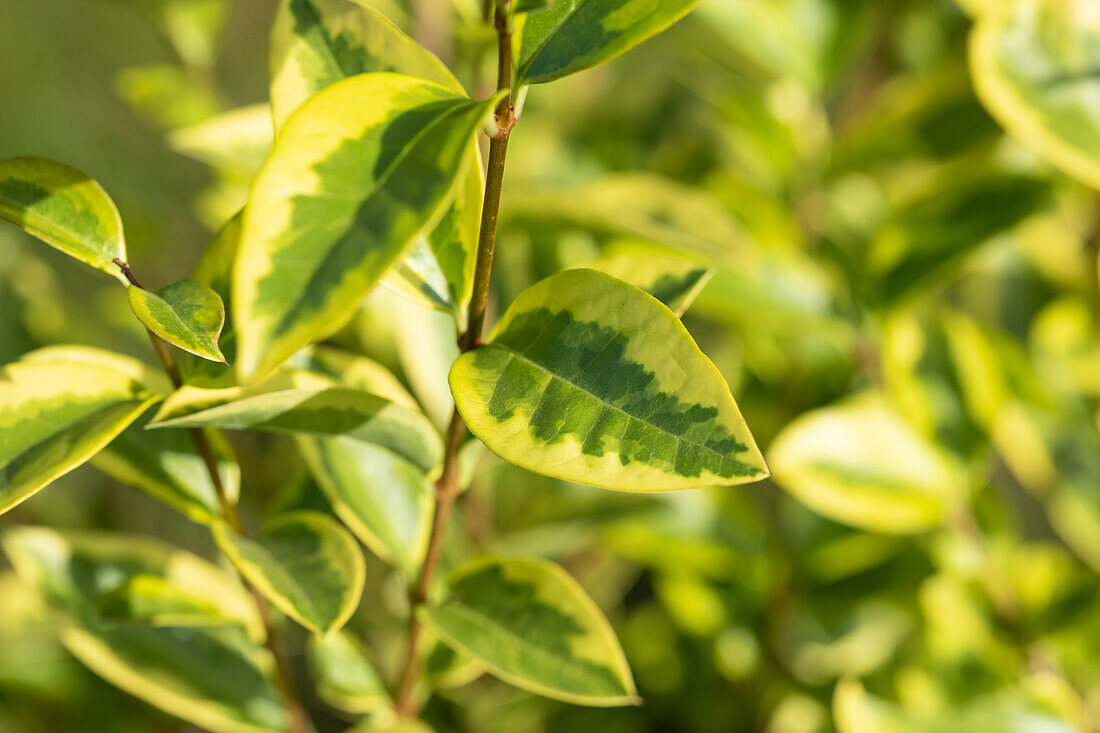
<point>302,402</point>
<point>391,725</point>
<point>213,678</point>
<point>1034,68</point>
<point>359,372</point>
<point>166,95</point>
<point>589,379</point>
<point>672,279</point>
<point>185,314</point>
<point>861,464</point>
<point>336,204</point>
<point>383,498</point>
<point>165,465</point>
<point>304,563</point>
<point>534,627</point>
<point>344,675</point>
<point>152,600</point>
<point>55,415</point>
<point>575,35</point>
<point>234,142</point>
<point>945,222</point>
<point>315,44</point>
<point>65,209</point>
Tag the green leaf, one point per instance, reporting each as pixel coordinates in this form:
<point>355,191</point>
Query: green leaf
<point>316,43</point>
<point>589,379</point>
<point>303,402</point>
<point>304,563</point>
<point>579,34</point>
<point>65,209</point>
<point>860,463</point>
<point>391,725</point>
<point>55,415</point>
<point>165,465</point>
<point>150,599</point>
<point>345,676</point>
<point>534,627</point>
<point>336,204</point>
<point>185,314</point>
<point>234,142</point>
<point>385,500</point>
<point>166,95</point>
<point>359,372</point>
<point>674,280</point>
<point>1034,68</point>
<point>215,678</point>
<point>531,6</point>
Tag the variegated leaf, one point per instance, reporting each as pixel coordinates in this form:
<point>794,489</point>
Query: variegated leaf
<point>574,35</point>
<point>589,379</point>
<point>1034,67</point>
<point>303,562</point>
<point>533,626</point>
<point>862,464</point>
<point>186,314</point>
<point>358,172</point>
<point>346,678</point>
<point>215,678</point>
<point>56,414</point>
<point>674,280</point>
<point>315,44</point>
<point>65,209</point>
<point>304,402</point>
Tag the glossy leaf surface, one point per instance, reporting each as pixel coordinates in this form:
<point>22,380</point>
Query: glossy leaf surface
<point>305,563</point>
<point>578,34</point>
<point>1034,67</point>
<point>534,627</point>
<point>55,415</point>
<point>186,314</point>
<point>862,464</point>
<point>589,379</point>
<point>64,208</point>
<point>673,280</point>
<point>336,204</point>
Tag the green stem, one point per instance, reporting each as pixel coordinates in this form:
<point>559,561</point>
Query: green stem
<point>296,714</point>
<point>448,487</point>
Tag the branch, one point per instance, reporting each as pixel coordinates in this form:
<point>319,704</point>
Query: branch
<point>447,488</point>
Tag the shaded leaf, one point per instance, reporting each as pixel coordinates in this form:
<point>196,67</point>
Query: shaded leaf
<point>589,379</point>
<point>534,627</point>
<point>860,463</point>
<point>65,209</point>
<point>345,676</point>
<point>336,204</point>
<point>304,563</point>
<point>185,314</point>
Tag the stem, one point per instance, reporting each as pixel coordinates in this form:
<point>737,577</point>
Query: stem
<point>299,722</point>
<point>447,488</point>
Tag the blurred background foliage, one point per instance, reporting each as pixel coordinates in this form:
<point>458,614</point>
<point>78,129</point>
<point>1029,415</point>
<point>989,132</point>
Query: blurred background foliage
<point>904,302</point>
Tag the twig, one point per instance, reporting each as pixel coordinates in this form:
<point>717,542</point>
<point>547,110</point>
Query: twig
<point>448,487</point>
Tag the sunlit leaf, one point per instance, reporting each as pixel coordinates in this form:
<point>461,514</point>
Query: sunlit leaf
<point>862,464</point>
<point>235,142</point>
<point>534,627</point>
<point>335,205</point>
<point>671,279</point>
<point>345,676</point>
<point>64,208</point>
<point>1034,66</point>
<point>578,34</point>
<point>589,379</point>
<point>185,314</point>
<point>55,415</point>
<point>305,563</point>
